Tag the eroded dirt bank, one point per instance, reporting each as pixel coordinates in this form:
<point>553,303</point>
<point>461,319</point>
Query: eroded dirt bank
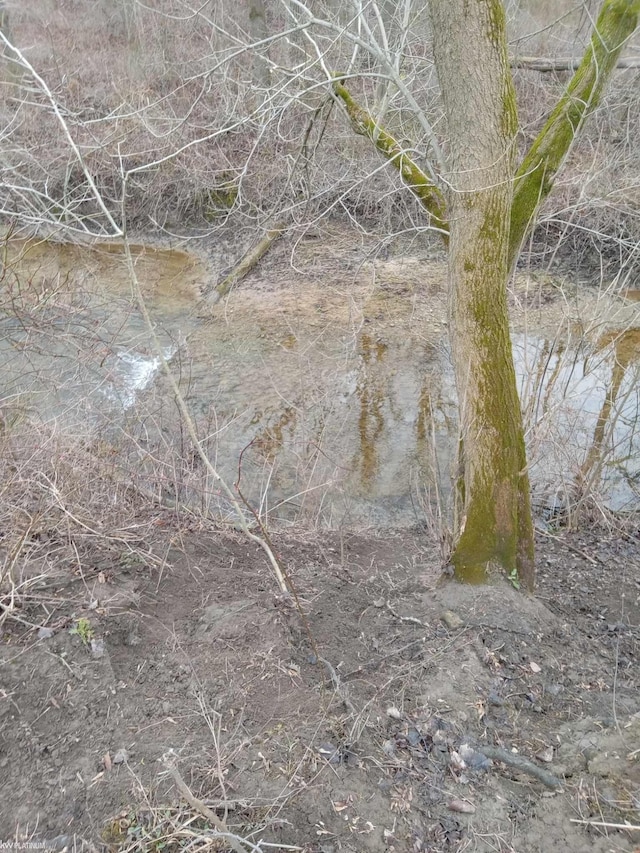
<point>187,650</point>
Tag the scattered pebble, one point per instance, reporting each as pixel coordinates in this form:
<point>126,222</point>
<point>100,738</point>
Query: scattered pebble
<point>97,648</point>
<point>473,759</point>
<point>451,620</point>
<point>60,843</point>
<point>456,761</point>
<point>461,806</point>
<point>121,756</point>
<point>545,754</point>
<point>389,748</point>
<point>394,713</point>
<point>45,633</point>
<point>414,738</point>
<point>330,752</point>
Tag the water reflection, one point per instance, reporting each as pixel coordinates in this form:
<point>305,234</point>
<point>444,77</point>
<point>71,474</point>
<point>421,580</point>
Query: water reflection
<point>581,401</point>
<point>371,390</point>
<point>340,412</point>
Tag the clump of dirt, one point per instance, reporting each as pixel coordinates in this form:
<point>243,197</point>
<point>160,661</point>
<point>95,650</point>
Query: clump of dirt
<point>143,700</point>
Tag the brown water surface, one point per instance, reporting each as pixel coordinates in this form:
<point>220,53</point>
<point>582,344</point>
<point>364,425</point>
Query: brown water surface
<point>334,400</point>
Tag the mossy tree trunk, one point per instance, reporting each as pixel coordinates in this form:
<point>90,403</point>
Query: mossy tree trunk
<point>489,208</point>
<point>479,99</point>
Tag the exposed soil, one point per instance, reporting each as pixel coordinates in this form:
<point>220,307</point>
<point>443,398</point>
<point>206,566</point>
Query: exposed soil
<point>153,683</point>
<point>190,654</point>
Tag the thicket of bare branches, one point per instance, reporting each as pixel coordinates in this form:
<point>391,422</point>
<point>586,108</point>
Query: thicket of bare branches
<point>172,94</point>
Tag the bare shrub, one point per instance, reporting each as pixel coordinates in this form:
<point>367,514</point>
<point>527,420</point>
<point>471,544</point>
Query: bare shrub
<point>64,511</point>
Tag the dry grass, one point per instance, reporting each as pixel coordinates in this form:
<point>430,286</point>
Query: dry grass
<point>61,504</point>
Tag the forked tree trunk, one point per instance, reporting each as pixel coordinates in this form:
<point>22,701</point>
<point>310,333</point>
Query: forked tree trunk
<point>479,99</point>
<point>488,220</point>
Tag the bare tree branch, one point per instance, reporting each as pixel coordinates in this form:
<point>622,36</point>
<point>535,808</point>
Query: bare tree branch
<point>415,178</point>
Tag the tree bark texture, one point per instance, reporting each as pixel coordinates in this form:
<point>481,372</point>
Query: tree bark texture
<point>414,177</point>
<point>479,100</point>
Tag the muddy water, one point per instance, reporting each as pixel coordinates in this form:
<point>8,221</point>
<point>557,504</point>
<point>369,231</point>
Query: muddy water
<point>72,342</point>
<point>333,402</point>
<point>581,399</point>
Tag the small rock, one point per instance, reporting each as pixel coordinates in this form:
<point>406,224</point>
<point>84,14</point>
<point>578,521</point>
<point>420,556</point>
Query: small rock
<point>456,761</point>
<point>414,738</point>
<point>45,633</point>
<point>461,806</point>
<point>330,752</point>
<point>474,760</point>
<point>394,713</point>
<point>121,756</point>
<point>60,843</point>
<point>93,605</point>
<point>97,648</point>
<point>451,620</point>
<point>389,748</point>
<point>545,754</point>
<point>379,602</point>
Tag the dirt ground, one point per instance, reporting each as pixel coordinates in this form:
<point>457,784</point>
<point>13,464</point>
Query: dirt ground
<point>152,688</point>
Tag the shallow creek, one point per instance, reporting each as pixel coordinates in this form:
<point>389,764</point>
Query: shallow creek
<point>334,401</point>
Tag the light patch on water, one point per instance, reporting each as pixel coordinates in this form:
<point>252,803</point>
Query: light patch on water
<point>132,373</point>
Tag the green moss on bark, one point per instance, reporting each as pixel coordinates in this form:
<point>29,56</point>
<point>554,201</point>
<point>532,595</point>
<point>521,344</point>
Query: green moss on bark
<point>498,529</point>
<point>414,177</point>
<point>535,178</point>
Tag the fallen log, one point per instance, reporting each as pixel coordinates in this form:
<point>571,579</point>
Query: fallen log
<point>533,63</point>
<point>246,264</point>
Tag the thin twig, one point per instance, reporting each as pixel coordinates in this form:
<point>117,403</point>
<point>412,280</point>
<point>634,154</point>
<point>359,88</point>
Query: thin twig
<point>168,759</point>
<point>340,690</point>
<point>184,411</point>
<point>630,826</point>
<point>593,560</point>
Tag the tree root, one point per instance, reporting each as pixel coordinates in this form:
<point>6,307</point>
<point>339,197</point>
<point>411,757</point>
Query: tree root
<point>511,759</point>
